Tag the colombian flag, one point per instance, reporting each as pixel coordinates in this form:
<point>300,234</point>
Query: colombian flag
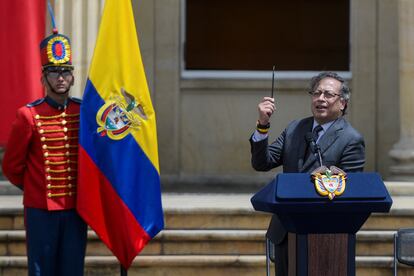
<point>119,184</point>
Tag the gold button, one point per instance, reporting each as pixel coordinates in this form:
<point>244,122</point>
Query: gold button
<point>47,162</point>
<point>41,131</point>
<point>65,129</point>
<point>70,193</point>
<point>47,169</point>
<point>66,138</point>
<point>39,124</point>
<point>69,177</point>
<point>49,195</point>
<point>68,161</point>
<point>63,114</point>
<point>46,154</point>
<point>44,146</point>
<point>69,169</point>
<point>48,177</point>
<point>67,153</point>
<point>49,186</point>
<point>43,139</point>
<point>64,122</point>
<point>37,116</point>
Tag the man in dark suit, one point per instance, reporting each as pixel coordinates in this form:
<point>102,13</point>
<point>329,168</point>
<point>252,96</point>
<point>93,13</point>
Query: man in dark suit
<point>340,144</point>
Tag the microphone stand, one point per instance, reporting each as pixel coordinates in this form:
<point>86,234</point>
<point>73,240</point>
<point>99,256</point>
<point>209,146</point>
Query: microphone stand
<point>318,149</point>
<point>315,148</point>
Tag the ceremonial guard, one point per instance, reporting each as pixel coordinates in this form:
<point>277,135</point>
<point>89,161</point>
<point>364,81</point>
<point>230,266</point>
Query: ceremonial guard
<point>41,159</point>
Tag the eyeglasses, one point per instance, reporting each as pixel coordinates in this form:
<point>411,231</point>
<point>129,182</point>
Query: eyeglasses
<point>66,74</point>
<point>326,94</point>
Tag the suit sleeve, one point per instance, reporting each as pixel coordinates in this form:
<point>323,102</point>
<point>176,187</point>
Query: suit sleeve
<point>266,157</point>
<point>14,161</point>
<point>353,156</point>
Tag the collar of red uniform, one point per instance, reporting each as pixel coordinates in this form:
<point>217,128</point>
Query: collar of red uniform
<point>56,105</point>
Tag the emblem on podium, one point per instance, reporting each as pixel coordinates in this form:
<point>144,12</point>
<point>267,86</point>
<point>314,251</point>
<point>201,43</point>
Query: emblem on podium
<point>329,181</point>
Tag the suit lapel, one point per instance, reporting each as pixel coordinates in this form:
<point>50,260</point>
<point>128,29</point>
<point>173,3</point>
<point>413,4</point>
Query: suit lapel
<point>331,135</point>
<point>308,162</point>
<point>303,145</point>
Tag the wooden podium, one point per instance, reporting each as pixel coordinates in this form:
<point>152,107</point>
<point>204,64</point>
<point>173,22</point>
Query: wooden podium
<point>322,231</point>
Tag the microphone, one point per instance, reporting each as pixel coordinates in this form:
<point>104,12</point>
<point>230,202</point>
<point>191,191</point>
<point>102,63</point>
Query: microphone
<point>313,146</point>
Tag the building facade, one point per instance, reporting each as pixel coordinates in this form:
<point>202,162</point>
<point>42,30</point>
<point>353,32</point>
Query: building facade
<point>206,112</point>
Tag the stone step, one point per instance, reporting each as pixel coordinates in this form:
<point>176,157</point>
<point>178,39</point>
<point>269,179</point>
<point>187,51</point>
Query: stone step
<point>168,242</point>
<point>233,221</point>
<point>203,265</point>
<point>400,188</point>
<point>202,237</point>
<point>6,188</point>
<point>204,242</point>
<point>395,188</point>
<point>217,211</point>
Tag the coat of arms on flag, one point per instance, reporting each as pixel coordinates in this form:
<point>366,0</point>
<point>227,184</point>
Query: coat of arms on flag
<point>119,115</point>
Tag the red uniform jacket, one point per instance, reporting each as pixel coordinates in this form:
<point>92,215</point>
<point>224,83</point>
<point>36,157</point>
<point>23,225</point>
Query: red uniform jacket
<point>42,152</point>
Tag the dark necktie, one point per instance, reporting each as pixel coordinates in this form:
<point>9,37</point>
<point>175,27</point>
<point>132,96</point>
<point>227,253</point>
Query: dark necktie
<point>315,136</point>
<point>315,132</point>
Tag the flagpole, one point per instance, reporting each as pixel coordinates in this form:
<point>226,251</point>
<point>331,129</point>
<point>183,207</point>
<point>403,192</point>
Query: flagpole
<point>124,272</point>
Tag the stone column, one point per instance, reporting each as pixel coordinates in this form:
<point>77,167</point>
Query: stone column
<point>403,151</point>
<point>79,20</point>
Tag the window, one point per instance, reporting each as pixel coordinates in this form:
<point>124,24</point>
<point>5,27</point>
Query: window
<point>294,35</point>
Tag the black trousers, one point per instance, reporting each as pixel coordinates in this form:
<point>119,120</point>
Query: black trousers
<point>56,242</point>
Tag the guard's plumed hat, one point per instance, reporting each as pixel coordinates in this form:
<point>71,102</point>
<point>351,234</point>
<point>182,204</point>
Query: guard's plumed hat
<point>55,50</point>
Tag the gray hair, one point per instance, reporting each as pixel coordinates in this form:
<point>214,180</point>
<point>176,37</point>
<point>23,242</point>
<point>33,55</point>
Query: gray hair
<point>345,92</point>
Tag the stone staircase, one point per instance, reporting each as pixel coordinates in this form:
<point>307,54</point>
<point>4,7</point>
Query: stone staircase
<point>211,234</point>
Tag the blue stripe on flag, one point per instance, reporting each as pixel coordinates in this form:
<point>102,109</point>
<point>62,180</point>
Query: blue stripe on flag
<point>124,164</point>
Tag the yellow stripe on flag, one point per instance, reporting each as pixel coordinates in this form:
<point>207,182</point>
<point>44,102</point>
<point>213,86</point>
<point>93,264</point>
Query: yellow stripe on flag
<point>117,63</point>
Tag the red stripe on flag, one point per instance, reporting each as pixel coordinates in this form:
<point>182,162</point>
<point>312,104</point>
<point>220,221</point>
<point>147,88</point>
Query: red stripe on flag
<point>100,206</point>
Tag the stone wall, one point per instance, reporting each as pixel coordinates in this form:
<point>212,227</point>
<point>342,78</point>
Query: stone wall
<point>204,122</point>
